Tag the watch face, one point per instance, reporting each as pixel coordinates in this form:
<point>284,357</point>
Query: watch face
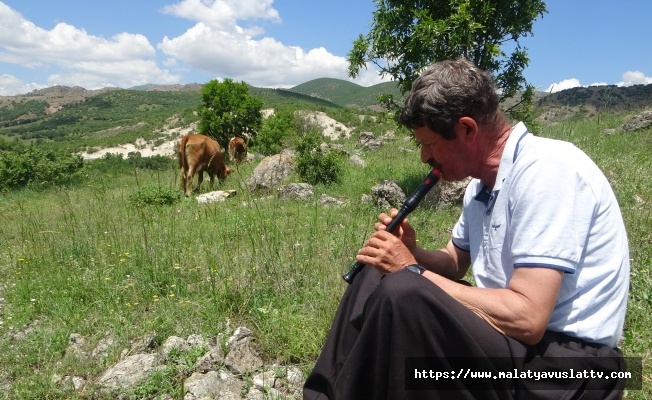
<point>416,269</point>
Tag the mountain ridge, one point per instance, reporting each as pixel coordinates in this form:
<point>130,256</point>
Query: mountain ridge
<point>331,92</point>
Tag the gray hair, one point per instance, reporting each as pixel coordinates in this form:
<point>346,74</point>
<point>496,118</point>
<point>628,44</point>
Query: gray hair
<point>447,91</point>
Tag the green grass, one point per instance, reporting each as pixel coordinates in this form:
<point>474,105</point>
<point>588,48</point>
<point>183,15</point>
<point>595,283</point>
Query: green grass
<point>87,260</point>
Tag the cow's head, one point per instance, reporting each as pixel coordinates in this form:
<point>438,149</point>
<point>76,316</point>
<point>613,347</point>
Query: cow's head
<point>224,172</point>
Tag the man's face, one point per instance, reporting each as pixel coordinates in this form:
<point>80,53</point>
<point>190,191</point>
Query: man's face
<point>437,151</point>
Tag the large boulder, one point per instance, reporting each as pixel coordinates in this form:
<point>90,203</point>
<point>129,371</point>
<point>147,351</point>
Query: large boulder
<point>388,194</point>
<point>637,122</point>
<point>271,172</point>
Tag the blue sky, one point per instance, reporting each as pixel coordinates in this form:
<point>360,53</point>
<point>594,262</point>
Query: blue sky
<point>280,43</point>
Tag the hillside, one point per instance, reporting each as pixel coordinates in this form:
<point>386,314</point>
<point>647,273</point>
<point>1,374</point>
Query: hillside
<point>594,99</point>
<point>346,94</point>
<point>87,117</point>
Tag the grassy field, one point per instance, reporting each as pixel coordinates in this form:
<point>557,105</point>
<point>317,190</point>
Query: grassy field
<point>84,260</point>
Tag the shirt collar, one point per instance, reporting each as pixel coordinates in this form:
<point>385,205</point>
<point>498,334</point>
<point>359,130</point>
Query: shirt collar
<point>516,138</point>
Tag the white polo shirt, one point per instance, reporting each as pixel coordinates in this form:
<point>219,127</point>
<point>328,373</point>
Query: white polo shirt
<point>552,207</point>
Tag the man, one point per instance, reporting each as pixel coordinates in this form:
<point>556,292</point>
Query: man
<point>544,235</point>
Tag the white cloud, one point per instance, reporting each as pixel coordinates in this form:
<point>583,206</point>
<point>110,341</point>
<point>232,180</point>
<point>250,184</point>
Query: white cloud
<point>219,45</point>
<point>127,73</point>
<point>224,41</point>
<point>634,78</point>
<point>223,14</point>
<point>10,85</point>
<point>79,58</point>
<point>565,84</point>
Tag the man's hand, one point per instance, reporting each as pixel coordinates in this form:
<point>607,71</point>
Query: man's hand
<point>404,232</point>
<point>389,252</point>
<point>385,252</point>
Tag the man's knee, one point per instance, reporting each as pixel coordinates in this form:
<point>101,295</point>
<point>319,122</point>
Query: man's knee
<point>403,288</point>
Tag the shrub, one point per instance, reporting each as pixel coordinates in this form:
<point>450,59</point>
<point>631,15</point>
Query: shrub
<point>32,166</point>
<point>313,164</point>
<point>155,163</point>
<point>274,132</point>
<point>154,196</point>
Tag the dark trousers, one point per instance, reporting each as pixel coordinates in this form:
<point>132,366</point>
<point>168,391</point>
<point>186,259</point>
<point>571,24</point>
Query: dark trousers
<point>382,322</point>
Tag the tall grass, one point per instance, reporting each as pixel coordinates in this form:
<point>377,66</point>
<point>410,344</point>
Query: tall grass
<point>85,260</point>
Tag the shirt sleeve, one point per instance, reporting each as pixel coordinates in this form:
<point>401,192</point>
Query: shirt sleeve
<point>552,206</point>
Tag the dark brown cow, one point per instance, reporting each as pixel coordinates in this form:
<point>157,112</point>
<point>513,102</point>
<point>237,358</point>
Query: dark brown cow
<point>199,154</point>
<point>237,149</point>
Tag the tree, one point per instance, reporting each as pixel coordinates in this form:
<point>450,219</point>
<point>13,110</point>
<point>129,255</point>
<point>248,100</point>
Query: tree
<point>227,110</point>
<point>408,35</point>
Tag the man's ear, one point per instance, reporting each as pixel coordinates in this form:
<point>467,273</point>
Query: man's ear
<point>468,128</point>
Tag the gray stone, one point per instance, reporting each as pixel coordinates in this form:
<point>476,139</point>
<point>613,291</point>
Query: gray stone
<point>211,360</point>
<point>271,172</point>
<point>388,194</point>
<point>637,122</point>
<point>212,385</point>
<point>296,191</point>
<point>128,373</point>
<point>241,359</point>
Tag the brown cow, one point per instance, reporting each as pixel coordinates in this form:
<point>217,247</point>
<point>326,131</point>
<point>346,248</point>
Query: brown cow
<point>199,154</point>
<point>237,149</point>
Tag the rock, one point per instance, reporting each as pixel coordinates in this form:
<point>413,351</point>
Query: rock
<point>357,161</point>
<point>211,360</point>
<point>452,193</point>
<point>271,172</point>
<point>143,343</point>
<point>265,380</point>
<point>296,191</point>
<point>240,333</point>
<point>241,374</point>
<point>212,385</point>
<point>76,346</point>
<point>294,376</point>
<point>215,196</point>
<point>101,350</point>
<point>196,340</point>
<point>327,201</point>
<point>173,342</point>
<point>242,359</point>
<point>637,122</point>
<point>388,194</point>
<point>368,141</point>
<point>128,373</point>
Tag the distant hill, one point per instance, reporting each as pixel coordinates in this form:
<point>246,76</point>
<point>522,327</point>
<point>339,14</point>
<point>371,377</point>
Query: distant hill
<point>346,94</point>
<point>589,101</point>
<point>43,113</point>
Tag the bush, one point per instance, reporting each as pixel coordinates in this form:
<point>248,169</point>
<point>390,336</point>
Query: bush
<point>274,133</point>
<point>29,165</point>
<point>154,196</point>
<point>315,166</point>
<point>155,163</point>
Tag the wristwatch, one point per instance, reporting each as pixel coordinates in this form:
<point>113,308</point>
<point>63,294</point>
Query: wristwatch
<point>416,268</point>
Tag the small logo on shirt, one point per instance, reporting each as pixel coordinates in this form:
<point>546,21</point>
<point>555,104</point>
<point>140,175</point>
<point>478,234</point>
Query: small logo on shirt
<point>495,226</point>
